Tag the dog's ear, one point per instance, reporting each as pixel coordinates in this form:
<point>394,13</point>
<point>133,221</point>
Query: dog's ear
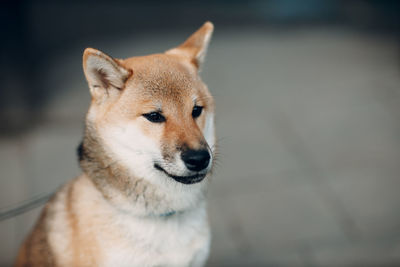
<point>195,47</point>
<point>103,73</point>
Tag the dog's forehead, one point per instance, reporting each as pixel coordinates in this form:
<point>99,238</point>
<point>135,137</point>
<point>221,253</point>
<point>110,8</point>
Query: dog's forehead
<point>162,76</point>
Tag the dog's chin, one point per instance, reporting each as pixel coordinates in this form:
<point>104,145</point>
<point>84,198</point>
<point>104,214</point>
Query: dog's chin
<point>190,179</point>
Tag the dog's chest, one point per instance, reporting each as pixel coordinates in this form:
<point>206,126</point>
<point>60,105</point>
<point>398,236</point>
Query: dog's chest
<point>159,242</point>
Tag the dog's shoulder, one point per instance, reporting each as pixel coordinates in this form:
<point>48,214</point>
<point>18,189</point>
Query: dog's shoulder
<point>53,236</point>
<point>36,250</point>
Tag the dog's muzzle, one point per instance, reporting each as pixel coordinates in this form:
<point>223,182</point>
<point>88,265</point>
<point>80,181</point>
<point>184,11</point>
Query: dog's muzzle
<point>196,161</point>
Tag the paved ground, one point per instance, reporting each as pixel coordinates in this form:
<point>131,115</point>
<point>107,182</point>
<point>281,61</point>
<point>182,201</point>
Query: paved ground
<point>308,126</point>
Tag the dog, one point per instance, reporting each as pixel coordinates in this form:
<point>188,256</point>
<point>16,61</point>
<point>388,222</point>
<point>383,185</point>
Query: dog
<point>147,154</point>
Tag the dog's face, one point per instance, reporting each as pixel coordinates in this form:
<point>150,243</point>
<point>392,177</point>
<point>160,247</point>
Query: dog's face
<point>153,113</point>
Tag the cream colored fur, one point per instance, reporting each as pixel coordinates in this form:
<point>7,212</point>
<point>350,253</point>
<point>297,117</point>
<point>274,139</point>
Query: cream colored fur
<point>123,210</point>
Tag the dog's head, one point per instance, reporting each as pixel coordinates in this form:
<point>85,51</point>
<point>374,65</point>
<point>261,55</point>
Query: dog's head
<point>153,113</point>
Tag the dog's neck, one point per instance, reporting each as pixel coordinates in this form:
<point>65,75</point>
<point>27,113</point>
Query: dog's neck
<point>122,189</point>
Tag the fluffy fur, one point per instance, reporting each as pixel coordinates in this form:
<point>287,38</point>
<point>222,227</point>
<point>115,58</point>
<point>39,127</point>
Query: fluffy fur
<point>123,211</point>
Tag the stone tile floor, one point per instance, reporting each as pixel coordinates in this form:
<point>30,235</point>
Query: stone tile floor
<point>309,144</point>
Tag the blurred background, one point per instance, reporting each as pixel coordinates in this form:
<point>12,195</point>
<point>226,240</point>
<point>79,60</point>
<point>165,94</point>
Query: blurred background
<point>308,109</point>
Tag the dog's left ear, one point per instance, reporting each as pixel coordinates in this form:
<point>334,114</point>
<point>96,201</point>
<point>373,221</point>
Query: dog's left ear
<point>195,47</point>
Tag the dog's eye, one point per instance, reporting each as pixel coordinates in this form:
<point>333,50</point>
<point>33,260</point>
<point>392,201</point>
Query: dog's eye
<point>154,117</point>
<point>196,112</point>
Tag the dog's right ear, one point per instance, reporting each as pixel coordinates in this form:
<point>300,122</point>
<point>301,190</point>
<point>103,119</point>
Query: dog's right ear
<point>103,73</point>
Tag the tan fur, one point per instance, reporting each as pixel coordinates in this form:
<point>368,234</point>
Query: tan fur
<point>94,210</point>
<point>36,250</point>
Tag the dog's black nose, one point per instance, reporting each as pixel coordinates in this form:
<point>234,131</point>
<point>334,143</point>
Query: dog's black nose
<point>196,160</point>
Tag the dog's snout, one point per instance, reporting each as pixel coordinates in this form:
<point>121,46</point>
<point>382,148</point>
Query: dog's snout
<point>196,160</point>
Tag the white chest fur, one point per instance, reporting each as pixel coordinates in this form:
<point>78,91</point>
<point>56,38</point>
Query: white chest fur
<point>176,240</point>
<point>122,239</point>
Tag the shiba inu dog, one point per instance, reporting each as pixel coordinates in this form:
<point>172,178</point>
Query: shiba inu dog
<point>146,156</point>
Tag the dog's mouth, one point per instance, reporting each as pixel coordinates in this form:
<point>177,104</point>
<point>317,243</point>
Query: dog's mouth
<point>191,179</point>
